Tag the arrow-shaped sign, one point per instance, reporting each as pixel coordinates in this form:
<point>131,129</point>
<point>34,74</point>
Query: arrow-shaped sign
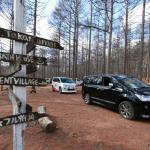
<point>23,59</point>
<point>22,81</point>
<point>22,37</point>
<point>20,118</point>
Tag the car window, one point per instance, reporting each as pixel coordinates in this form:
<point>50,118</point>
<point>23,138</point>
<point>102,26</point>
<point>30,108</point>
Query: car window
<point>106,81</point>
<point>97,81</point>
<point>55,80</point>
<point>88,81</point>
<point>67,80</point>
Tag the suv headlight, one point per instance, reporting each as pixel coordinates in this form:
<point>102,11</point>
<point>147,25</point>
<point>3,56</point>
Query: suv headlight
<point>143,98</point>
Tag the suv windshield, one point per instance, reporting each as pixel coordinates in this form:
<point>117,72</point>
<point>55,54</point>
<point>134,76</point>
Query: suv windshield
<point>66,80</point>
<point>134,83</point>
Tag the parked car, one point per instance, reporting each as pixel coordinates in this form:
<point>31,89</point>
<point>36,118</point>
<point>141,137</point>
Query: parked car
<point>63,85</point>
<point>78,82</point>
<point>130,96</point>
<point>48,80</point>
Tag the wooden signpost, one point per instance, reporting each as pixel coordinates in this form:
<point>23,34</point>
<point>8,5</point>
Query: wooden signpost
<point>22,37</point>
<point>20,118</point>
<point>23,59</point>
<point>18,63</point>
<point>22,81</point>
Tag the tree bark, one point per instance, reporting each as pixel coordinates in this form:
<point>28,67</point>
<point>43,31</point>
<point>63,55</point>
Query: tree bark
<point>142,43</point>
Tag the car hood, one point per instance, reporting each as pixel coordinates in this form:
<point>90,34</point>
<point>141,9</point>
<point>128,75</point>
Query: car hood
<point>143,91</point>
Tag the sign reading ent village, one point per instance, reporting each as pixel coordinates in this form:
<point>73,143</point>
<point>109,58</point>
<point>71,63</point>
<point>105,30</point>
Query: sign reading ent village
<point>20,118</point>
<point>22,81</point>
<point>23,59</point>
<point>22,37</point>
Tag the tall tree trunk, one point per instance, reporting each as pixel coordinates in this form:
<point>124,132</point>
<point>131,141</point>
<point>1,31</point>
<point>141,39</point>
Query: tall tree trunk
<point>70,21</point>
<point>142,43</point>
<point>89,54</point>
<point>118,54</point>
<point>126,37</point>
<point>149,54</point>
<point>104,45</point>
<point>58,57</point>
<point>110,38</point>
<point>76,49</point>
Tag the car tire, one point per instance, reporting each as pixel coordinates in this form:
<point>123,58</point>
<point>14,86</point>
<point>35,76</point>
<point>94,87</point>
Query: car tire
<point>127,110</point>
<point>87,98</point>
<point>60,90</point>
<point>53,89</point>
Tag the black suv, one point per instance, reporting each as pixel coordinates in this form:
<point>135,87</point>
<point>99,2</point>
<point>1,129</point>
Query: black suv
<point>129,95</point>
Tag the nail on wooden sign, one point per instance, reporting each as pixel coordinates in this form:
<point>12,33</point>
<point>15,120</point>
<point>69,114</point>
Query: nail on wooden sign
<point>22,37</point>
<point>22,81</point>
<point>23,59</point>
<point>20,118</point>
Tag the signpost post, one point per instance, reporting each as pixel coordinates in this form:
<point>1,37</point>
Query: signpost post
<point>19,91</point>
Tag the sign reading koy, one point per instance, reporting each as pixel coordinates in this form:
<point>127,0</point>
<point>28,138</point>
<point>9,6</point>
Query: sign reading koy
<point>22,81</point>
<point>22,37</point>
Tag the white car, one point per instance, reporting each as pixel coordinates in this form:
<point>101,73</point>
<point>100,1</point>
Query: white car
<point>78,82</point>
<point>63,85</point>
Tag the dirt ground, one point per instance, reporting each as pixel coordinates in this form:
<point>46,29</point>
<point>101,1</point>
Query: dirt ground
<point>79,126</point>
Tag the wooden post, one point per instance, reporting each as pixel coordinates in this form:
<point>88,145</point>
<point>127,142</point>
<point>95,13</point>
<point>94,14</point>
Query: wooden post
<point>47,124</point>
<point>19,91</point>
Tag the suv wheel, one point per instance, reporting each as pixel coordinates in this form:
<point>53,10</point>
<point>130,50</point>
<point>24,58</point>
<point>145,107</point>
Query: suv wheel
<point>53,88</point>
<point>127,110</point>
<point>87,98</point>
<point>60,90</point>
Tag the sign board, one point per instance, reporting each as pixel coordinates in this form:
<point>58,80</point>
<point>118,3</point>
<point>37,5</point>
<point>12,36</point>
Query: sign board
<point>31,68</point>
<point>23,59</point>
<point>10,70</point>
<point>20,118</point>
<point>22,81</point>
<point>22,37</point>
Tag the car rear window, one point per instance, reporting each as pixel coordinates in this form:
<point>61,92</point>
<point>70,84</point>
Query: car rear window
<point>67,80</point>
<point>93,80</point>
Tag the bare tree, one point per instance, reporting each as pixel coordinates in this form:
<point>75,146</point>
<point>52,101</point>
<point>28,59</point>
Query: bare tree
<point>142,42</point>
